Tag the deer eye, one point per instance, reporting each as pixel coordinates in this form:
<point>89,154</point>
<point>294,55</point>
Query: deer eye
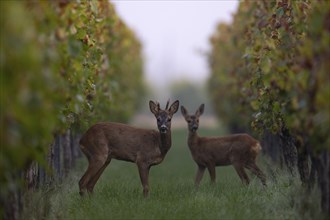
<point>158,119</point>
<point>169,119</point>
<point>189,121</point>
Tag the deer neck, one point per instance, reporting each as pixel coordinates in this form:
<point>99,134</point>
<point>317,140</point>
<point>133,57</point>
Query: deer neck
<point>192,139</point>
<point>165,142</point>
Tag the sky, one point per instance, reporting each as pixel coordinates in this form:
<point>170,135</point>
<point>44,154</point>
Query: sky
<point>175,35</point>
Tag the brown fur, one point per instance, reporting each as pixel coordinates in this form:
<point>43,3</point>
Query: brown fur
<point>107,140</point>
<point>239,150</point>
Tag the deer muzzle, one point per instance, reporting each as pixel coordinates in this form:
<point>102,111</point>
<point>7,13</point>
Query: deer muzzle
<point>163,129</point>
<point>194,128</point>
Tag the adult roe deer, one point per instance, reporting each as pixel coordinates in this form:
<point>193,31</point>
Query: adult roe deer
<point>107,140</point>
<point>239,150</point>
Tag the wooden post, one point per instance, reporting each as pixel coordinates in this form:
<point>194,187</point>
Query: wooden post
<point>67,153</point>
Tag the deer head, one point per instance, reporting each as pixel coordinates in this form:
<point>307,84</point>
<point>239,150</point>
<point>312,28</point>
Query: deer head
<point>192,120</point>
<point>164,117</point>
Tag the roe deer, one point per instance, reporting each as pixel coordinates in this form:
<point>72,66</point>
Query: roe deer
<point>107,140</point>
<point>239,150</point>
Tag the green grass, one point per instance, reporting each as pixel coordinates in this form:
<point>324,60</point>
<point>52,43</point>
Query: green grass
<point>118,193</point>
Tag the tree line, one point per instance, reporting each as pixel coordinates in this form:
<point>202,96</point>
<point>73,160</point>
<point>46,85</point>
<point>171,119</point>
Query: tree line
<point>64,65</point>
<point>270,74</point>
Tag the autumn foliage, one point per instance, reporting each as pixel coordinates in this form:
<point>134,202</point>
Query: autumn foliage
<point>270,73</point>
<point>64,65</point>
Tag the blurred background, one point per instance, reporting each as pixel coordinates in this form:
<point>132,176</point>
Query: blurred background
<point>175,36</point>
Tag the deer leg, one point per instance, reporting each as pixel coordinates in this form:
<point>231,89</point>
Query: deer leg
<point>82,180</point>
<point>242,174</point>
<point>94,165</point>
<point>144,175</point>
<point>256,171</point>
<point>199,175</point>
<point>211,169</point>
<point>91,183</point>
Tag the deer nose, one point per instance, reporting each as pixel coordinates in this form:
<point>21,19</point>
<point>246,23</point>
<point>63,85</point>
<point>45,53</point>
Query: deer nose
<point>163,128</point>
<point>194,128</point>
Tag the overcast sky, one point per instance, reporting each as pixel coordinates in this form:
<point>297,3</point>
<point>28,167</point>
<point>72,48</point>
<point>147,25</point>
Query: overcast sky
<point>174,35</point>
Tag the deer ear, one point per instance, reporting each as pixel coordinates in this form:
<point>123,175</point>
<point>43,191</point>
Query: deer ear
<point>174,107</point>
<point>154,108</point>
<point>184,111</point>
<point>200,110</point>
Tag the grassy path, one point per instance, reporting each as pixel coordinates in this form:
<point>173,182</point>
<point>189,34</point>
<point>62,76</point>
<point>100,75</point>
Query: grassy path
<point>118,194</point>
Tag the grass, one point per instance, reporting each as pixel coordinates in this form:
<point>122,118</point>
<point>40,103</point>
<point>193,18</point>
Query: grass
<point>118,193</point>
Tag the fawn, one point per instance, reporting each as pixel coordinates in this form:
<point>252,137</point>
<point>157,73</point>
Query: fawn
<point>239,150</point>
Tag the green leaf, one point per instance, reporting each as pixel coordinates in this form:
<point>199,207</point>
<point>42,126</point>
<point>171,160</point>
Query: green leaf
<point>266,65</point>
<point>254,104</point>
<point>94,8</point>
<point>81,33</point>
<point>276,107</point>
